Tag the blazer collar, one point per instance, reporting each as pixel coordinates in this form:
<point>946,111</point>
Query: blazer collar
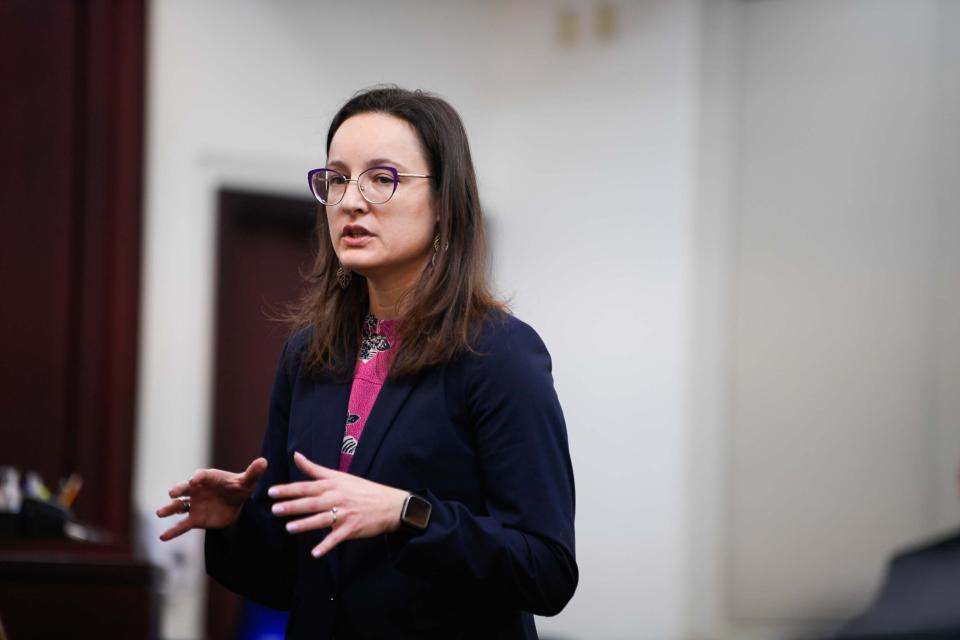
<point>329,422</point>
<point>327,425</point>
<point>389,401</point>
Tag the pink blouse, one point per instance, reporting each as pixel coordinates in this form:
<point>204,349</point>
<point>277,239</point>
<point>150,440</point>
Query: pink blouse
<point>377,346</point>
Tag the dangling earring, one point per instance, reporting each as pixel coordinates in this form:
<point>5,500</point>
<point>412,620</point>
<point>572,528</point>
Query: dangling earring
<point>343,276</point>
<point>436,249</point>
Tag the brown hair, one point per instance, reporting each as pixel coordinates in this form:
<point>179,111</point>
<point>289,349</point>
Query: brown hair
<point>451,298</point>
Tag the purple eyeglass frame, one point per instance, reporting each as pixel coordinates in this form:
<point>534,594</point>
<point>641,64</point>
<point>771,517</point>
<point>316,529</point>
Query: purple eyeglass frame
<point>396,181</point>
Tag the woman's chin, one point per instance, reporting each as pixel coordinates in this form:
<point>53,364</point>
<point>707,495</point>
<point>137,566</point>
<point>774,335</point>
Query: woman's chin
<point>356,261</point>
<point>384,269</point>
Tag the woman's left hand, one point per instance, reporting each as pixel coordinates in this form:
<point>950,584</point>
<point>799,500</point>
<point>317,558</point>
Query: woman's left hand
<point>351,506</point>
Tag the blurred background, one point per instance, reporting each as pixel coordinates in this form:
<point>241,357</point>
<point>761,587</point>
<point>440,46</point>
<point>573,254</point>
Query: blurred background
<point>734,224</point>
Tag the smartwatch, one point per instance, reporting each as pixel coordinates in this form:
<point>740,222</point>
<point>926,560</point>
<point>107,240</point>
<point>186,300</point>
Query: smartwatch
<point>415,514</point>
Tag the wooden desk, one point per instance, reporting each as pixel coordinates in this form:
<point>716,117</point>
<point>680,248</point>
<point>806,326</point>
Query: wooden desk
<point>77,593</point>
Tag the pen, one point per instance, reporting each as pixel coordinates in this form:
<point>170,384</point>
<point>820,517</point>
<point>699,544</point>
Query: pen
<point>69,491</point>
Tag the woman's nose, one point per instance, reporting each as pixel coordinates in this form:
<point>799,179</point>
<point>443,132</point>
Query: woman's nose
<point>353,199</point>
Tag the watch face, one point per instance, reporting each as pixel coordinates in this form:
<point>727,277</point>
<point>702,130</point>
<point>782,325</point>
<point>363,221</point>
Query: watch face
<point>416,512</point>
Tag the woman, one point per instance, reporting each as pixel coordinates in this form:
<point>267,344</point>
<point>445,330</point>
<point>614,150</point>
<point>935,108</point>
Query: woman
<point>443,506</point>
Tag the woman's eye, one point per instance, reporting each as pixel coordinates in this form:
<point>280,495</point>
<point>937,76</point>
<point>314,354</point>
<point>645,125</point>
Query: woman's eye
<point>383,179</point>
<point>337,180</point>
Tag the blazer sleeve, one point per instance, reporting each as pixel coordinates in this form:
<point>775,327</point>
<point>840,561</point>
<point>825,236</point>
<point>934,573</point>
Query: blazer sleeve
<point>520,552</point>
<point>255,556</point>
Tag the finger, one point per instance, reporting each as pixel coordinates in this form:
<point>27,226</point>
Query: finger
<point>172,508</point>
<point>310,504</point>
<point>312,469</point>
<point>298,489</point>
<point>176,530</point>
<point>179,489</point>
<point>211,477</point>
<point>322,520</point>
<point>335,537</point>
<point>254,471</point>
<point>199,477</point>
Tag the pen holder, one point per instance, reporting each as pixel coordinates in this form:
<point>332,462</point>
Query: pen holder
<point>9,524</point>
<point>40,519</point>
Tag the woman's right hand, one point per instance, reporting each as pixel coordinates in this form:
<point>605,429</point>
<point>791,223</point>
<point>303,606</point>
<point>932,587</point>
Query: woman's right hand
<point>215,498</point>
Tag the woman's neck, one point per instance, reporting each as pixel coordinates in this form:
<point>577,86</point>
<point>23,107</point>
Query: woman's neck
<point>386,289</point>
<point>384,301</point>
<point>386,293</point>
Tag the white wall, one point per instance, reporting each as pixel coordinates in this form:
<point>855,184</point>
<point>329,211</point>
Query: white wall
<point>845,344</point>
<point>945,308</point>
<point>242,92</point>
<point>713,233</point>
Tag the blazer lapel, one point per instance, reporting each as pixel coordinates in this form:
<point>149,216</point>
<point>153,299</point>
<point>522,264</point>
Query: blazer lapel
<point>327,423</point>
<point>389,401</point>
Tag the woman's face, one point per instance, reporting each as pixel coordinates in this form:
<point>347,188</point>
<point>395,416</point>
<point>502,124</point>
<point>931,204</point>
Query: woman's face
<point>392,240</point>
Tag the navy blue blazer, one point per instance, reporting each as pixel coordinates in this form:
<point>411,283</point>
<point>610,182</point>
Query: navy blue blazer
<point>483,439</point>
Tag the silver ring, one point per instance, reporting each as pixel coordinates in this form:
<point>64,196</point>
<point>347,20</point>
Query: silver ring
<point>185,503</point>
<point>333,512</point>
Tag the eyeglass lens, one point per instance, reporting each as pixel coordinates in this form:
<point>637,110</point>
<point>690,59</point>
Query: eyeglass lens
<point>376,185</point>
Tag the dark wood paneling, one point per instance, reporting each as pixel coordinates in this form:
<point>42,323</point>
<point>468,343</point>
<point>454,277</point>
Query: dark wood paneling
<point>70,220</point>
<point>37,190</point>
<point>107,277</point>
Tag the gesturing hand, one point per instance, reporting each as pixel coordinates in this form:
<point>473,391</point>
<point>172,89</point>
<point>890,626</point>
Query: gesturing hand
<point>363,508</point>
<point>215,498</point>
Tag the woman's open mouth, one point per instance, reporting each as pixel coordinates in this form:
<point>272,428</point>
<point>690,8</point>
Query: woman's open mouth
<point>354,235</point>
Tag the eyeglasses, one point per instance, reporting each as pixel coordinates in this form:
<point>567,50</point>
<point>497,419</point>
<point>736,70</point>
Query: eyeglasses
<point>376,184</point>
